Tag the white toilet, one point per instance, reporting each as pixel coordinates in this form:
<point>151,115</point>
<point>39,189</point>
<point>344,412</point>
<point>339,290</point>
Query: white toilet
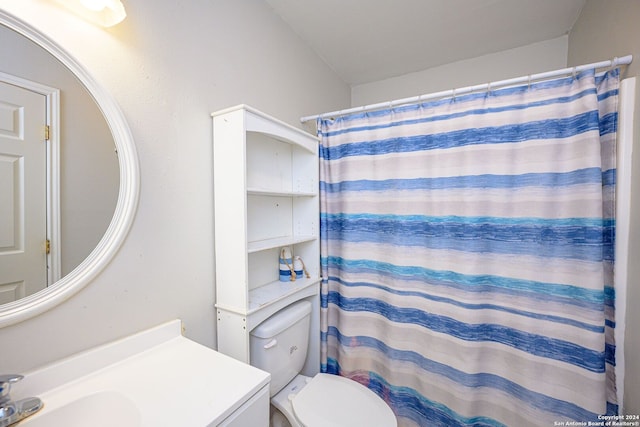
<point>279,346</point>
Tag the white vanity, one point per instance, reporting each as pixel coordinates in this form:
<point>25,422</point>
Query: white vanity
<point>154,378</point>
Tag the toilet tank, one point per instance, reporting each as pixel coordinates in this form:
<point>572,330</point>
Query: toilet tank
<point>279,344</point>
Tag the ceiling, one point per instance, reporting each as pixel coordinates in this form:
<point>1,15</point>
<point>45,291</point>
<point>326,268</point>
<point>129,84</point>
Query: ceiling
<point>370,40</point>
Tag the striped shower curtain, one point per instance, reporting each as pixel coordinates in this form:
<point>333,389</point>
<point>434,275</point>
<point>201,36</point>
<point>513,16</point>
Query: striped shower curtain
<point>467,254</point>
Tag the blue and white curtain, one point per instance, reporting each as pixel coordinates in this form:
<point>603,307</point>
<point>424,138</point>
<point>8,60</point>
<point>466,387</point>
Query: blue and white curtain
<point>467,254</point>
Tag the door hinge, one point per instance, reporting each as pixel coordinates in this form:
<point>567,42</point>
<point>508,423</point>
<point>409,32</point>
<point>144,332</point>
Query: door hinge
<point>47,246</point>
<point>47,132</point>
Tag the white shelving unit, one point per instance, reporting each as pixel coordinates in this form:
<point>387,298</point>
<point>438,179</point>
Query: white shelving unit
<point>266,197</point>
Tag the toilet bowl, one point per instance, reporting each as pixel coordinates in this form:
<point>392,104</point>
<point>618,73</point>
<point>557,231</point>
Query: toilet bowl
<point>278,345</point>
<point>330,400</point>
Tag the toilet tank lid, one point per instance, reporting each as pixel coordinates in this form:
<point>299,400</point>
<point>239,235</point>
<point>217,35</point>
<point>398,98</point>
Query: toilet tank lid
<point>282,320</point>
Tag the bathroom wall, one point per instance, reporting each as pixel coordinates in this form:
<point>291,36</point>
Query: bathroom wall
<point>530,59</point>
<point>606,29</point>
<point>169,65</point>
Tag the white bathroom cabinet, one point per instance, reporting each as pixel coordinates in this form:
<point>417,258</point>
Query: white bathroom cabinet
<point>266,197</point>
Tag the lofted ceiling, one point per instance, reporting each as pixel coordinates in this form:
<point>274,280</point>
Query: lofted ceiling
<point>370,40</point>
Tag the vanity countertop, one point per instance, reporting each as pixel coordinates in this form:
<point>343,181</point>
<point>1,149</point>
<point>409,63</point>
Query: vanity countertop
<point>156,377</point>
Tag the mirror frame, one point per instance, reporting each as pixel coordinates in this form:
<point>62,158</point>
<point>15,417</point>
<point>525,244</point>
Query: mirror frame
<point>128,194</point>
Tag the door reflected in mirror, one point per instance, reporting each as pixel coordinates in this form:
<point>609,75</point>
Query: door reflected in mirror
<point>58,192</point>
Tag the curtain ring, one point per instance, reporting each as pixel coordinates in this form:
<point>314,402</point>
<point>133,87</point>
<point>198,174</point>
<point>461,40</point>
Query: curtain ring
<point>575,72</point>
<point>489,88</point>
<point>453,94</point>
<point>614,63</point>
<point>529,82</point>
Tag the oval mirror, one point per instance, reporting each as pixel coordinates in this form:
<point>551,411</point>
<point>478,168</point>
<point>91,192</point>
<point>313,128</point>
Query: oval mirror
<point>89,167</point>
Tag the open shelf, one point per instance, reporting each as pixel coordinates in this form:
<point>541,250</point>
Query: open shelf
<point>266,192</point>
<point>276,291</point>
<point>266,197</point>
<point>278,242</point>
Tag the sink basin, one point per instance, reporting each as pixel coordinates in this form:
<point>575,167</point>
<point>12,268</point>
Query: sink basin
<point>154,378</point>
<point>101,409</point>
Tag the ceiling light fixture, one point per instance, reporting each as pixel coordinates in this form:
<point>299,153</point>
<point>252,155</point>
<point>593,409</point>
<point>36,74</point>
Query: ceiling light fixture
<point>106,13</point>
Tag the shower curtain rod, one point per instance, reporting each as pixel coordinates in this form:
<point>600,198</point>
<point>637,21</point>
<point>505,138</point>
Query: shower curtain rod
<point>625,60</point>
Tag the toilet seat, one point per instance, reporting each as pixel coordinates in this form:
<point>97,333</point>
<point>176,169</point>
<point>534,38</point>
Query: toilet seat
<point>332,400</point>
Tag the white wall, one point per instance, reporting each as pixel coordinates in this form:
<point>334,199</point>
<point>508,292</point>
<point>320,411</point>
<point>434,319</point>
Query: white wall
<point>605,30</point>
<point>530,59</point>
<point>169,65</point>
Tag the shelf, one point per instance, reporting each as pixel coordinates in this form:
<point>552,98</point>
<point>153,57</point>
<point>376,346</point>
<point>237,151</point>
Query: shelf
<point>265,192</point>
<point>257,121</point>
<point>273,292</point>
<point>278,242</point>
<point>266,301</point>
<point>266,197</point>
